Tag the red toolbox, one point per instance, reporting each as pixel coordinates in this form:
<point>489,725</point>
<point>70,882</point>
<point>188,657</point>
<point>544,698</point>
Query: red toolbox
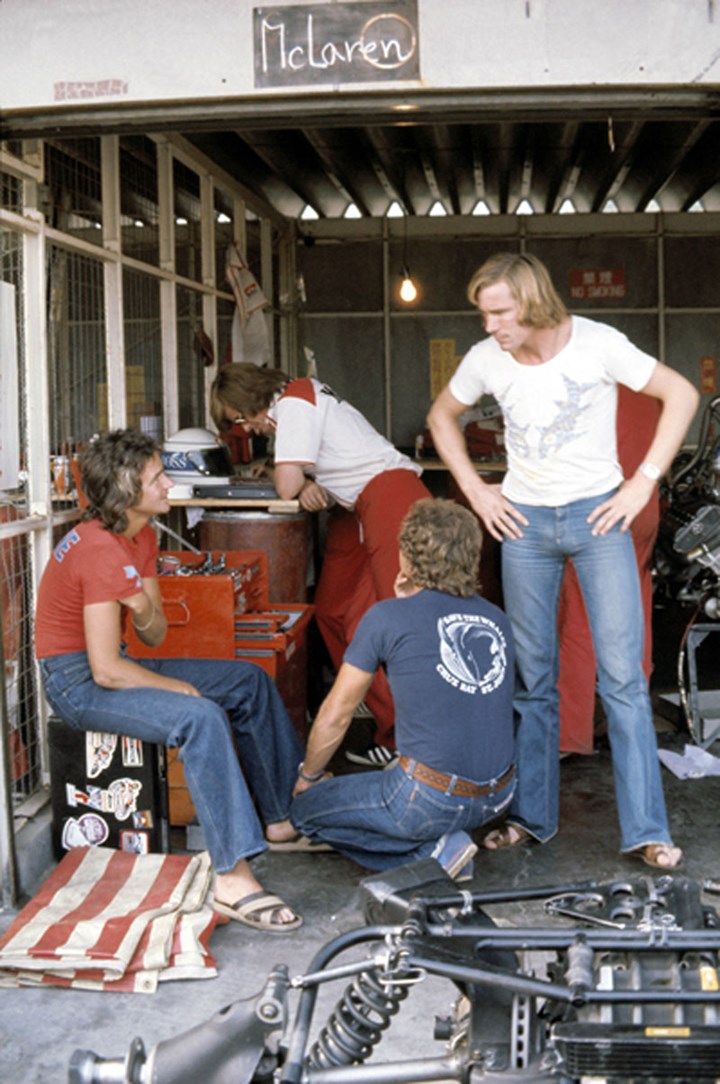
<point>224,613</point>
<point>201,607</point>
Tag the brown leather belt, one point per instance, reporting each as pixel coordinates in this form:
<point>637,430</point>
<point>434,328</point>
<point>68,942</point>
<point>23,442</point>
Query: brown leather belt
<point>441,781</point>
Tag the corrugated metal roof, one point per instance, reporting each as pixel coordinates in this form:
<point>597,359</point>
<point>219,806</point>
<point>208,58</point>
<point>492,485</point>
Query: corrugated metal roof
<point>649,147</point>
<point>638,149</point>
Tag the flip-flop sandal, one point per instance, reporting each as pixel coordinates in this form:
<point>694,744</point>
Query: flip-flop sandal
<point>650,853</point>
<point>258,911</point>
<point>508,835</point>
<point>300,844</point>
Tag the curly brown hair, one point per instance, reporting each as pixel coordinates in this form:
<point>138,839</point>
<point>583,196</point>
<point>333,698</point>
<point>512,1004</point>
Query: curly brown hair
<point>530,285</point>
<point>111,470</point>
<point>245,388</point>
<point>442,540</point>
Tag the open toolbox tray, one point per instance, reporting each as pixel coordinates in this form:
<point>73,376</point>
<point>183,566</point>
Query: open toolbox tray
<point>201,608</point>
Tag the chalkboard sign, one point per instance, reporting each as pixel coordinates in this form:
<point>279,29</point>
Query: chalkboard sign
<point>363,42</point>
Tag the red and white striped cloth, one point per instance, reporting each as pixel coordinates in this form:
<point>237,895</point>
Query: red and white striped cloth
<point>111,920</point>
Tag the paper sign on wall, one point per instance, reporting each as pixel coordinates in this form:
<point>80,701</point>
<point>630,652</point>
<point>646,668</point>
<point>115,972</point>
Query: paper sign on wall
<point>708,375</point>
<point>443,363</point>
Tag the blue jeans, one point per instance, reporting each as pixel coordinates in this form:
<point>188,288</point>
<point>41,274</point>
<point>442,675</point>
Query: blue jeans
<point>386,819</point>
<point>533,568</point>
<point>259,736</point>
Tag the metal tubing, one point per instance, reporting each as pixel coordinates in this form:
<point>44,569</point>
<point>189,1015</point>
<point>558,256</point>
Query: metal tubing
<point>293,1068</point>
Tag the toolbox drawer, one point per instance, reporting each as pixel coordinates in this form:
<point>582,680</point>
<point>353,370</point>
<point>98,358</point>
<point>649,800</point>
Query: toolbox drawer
<point>181,810</point>
<point>275,632</point>
<point>201,609</point>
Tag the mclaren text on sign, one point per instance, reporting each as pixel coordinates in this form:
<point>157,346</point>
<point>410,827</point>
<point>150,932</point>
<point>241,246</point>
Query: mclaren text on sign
<point>336,43</point>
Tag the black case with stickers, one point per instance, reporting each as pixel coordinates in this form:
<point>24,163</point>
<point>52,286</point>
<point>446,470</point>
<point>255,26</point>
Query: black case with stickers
<point>106,791</point>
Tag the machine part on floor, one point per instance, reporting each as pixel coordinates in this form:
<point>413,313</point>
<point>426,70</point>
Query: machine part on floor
<point>623,987</point>
<point>355,1027</point>
<point>239,1043</point>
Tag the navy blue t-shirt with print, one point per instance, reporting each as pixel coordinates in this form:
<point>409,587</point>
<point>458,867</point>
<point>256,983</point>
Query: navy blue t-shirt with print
<point>451,666</point>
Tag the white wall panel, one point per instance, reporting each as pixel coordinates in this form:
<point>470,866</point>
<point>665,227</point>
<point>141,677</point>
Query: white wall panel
<point>81,52</point>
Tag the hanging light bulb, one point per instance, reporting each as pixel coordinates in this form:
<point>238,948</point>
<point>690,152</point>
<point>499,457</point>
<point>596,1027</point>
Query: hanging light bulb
<point>408,289</point>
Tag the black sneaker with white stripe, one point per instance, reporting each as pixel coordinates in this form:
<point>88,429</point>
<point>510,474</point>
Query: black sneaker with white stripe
<point>377,756</point>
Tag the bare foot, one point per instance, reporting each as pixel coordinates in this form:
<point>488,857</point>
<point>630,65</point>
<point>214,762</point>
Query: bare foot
<point>280,832</point>
<point>507,835</point>
<point>237,883</point>
<point>241,882</point>
<point>659,855</point>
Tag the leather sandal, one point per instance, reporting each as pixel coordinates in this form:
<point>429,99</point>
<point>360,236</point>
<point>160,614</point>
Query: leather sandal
<point>261,911</point>
<point>507,835</point>
<point>299,845</point>
<point>659,855</point>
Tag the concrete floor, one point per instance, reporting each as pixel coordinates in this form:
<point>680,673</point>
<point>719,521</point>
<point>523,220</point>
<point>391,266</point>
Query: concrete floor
<point>40,1029</point>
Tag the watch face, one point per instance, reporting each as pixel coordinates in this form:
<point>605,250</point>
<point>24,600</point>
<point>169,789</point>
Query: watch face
<point>650,471</point>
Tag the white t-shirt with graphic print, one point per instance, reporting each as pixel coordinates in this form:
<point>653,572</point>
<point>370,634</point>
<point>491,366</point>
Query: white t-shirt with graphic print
<point>560,415</point>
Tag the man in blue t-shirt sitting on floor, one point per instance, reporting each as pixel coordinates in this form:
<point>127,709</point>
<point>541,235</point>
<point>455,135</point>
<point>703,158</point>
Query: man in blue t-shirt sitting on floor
<point>450,659</point>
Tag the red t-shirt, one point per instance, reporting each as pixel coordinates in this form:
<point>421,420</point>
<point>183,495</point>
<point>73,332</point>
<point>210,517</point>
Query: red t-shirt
<point>89,565</point>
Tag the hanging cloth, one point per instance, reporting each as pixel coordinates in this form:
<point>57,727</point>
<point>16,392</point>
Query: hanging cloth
<point>249,329</point>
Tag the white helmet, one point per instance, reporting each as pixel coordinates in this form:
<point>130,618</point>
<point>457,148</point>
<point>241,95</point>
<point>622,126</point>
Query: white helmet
<point>190,453</point>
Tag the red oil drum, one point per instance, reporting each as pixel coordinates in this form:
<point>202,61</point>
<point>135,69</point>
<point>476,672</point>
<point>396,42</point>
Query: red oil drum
<point>284,537</point>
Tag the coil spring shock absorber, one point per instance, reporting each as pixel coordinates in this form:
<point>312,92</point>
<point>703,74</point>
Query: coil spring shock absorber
<point>356,1024</point>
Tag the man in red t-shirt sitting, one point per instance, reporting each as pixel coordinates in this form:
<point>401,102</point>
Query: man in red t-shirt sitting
<point>103,573</point>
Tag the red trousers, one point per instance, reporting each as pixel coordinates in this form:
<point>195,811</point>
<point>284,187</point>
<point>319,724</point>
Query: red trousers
<point>359,568</point>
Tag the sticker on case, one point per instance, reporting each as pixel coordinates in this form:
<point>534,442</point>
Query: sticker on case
<point>132,752</point>
<point>124,795</point>
<point>89,830</point>
<point>134,842</point>
<point>143,818</point>
<point>119,798</point>
<point>99,752</point>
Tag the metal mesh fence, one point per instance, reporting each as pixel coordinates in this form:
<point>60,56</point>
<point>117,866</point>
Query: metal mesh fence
<point>19,672</point>
<point>16,639</point>
<point>10,193</point>
<point>143,352</point>
<point>11,269</point>
<point>223,236</point>
<point>191,404</point>
<point>73,188</point>
<point>139,199</point>
<point>188,249</point>
<point>76,341</point>
<point>225,313</point>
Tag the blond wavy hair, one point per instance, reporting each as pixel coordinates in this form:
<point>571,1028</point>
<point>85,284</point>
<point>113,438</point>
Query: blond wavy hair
<point>441,540</point>
<point>530,284</point>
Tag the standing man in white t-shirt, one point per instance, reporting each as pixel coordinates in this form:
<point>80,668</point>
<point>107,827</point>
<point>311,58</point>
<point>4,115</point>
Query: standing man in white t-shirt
<point>563,497</point>
<point>327,454</point>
